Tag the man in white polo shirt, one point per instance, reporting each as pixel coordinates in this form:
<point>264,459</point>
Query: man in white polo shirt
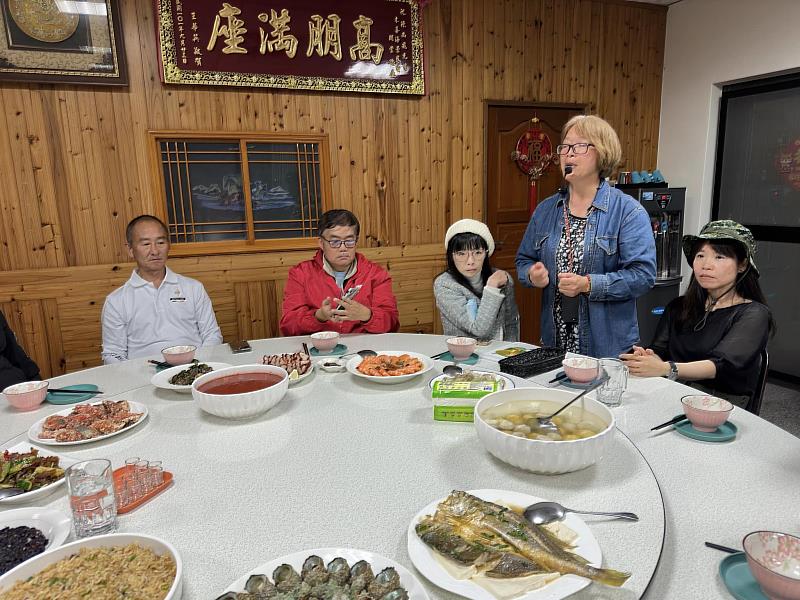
<point>156,307</point>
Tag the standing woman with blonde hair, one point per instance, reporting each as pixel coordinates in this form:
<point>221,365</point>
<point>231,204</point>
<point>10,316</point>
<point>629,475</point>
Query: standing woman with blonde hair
<point>589,247</point>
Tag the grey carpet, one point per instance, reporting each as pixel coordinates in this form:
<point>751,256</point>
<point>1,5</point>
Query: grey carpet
<point>781,405</point>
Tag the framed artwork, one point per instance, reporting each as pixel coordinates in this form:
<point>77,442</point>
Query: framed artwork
<point>365,46</point>
<point>65,41</point>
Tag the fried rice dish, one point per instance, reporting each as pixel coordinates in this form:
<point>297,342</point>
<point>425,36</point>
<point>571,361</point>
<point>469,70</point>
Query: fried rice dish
<point>108,573</point>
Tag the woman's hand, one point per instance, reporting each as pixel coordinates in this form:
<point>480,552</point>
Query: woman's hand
<point>645,363</point>
<point>539,275</point>
<point>497,279</point>
<point>571,284</point>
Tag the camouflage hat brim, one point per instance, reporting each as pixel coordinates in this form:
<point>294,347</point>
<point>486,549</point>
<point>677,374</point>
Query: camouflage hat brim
<point>723,231</point>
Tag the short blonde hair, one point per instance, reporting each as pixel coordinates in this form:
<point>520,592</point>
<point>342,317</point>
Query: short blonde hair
<point>602,136</point>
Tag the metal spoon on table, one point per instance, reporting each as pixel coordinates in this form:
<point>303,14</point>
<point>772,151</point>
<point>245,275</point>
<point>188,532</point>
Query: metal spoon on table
<point>546,423</point>
<point>11,491</point>
<point>542,513</point>
<point>361,353</point>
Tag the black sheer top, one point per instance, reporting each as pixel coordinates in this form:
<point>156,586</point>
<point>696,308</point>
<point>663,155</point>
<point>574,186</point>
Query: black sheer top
<point>732,338</point>
<point>15,366</point>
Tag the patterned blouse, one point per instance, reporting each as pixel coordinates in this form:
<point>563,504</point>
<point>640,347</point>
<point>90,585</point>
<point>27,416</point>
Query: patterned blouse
<point>567,334</point>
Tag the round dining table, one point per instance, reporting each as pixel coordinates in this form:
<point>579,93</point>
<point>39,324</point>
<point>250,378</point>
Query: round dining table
<point>346,463</point>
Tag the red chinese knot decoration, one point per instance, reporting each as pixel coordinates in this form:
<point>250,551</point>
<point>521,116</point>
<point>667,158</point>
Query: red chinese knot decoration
<point>534,155</point>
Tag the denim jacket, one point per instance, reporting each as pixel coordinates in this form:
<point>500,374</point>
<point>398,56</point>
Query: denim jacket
<point>619,257</point>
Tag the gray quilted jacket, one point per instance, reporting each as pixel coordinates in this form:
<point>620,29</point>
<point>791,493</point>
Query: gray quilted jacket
<point>496,309</point>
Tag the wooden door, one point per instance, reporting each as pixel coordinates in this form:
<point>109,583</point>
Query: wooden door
<point>508,190</point>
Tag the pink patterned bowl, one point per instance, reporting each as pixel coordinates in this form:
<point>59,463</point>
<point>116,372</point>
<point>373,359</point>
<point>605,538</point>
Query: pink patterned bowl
<point>774,560</point>
<point>461,347</point>
<point>581,369</point>
<point>179,355</point>
<point>706,412</point>
<point>26,396</point>
<point>325,341</point>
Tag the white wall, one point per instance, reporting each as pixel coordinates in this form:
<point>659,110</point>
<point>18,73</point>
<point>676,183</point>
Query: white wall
<point>710,43</point>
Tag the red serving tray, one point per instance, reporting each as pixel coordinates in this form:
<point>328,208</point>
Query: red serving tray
<point>124,508</point>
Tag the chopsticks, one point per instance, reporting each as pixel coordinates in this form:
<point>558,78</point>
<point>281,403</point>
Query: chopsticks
<point>72,391</point>
<point>558,377</point>
<point>672,421</point>
<point>723,548</point>
<point>305,349</point>
<point>158,363</point>
<point>440,355</point>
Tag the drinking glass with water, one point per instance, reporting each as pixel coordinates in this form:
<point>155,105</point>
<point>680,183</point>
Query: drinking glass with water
<point>91,497</point>
<point>610,393</point>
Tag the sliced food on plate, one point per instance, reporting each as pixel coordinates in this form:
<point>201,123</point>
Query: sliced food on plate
<point>28,470</point>
<point>494,547</point>
<point>36,471</point>
<point>296,364</point>
<point>88,422</point>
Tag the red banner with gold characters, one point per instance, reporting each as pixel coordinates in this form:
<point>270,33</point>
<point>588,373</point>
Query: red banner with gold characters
<point>354,46</point>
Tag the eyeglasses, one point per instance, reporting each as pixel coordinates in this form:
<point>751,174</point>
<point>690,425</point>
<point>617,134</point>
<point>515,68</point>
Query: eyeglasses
<point>579,148</point>
<point>463,254</point>
<point>348,243</point>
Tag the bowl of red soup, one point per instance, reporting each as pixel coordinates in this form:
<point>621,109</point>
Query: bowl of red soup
<point>240,392</point>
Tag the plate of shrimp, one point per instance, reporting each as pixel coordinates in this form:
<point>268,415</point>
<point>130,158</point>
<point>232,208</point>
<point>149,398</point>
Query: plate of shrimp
<point>390,366</point>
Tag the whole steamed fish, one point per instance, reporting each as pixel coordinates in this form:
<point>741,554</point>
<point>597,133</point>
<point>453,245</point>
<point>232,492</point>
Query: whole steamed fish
<point>500,543</point>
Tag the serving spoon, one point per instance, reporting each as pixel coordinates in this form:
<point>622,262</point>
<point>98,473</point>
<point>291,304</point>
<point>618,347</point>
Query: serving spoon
<point>452,370</point>
<point>10,491</point>
<point>543,513</point>
<point>546,423</point>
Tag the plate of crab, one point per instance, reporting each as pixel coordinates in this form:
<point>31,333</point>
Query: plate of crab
<point>86,423</point>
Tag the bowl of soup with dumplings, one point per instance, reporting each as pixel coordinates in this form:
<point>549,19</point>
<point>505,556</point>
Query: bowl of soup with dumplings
<point>507,425</point>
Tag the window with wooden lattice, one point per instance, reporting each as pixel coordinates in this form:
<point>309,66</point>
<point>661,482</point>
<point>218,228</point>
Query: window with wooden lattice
<point>234,193</point>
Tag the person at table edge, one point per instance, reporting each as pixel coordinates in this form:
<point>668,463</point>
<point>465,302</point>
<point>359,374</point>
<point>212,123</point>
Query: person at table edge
<point>15,365</point>
<point>590,247</point>
<point>712,336</point>
<point>156,307</point>
<point>312,298</point>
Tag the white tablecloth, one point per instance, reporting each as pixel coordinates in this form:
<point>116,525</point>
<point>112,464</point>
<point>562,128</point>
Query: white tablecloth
<point>342,462</point>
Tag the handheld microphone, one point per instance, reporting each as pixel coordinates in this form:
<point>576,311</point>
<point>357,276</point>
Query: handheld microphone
<point>563,189</point>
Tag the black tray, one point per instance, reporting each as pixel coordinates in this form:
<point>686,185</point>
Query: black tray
<point>533,362</point>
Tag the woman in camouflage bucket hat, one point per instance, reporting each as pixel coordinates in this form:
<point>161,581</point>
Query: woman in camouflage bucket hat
<point>713,335</point>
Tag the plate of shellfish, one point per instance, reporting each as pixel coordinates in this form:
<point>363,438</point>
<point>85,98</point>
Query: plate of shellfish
<point>86,423</point>
<point>390,366</point>
<point>328,573</point>
<point>297,364</point>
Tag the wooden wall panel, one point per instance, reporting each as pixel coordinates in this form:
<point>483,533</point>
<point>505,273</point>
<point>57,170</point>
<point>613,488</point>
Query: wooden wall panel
<point>56,313</point>
<point>75,159</point>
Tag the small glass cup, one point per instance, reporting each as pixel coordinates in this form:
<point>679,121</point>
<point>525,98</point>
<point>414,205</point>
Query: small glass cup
<point>142,475</point>
<point>156,473</point>
<point>610,393</point>
<point>91,497</point>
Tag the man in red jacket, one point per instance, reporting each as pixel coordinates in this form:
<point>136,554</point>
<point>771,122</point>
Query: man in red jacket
<point>313,299</point>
